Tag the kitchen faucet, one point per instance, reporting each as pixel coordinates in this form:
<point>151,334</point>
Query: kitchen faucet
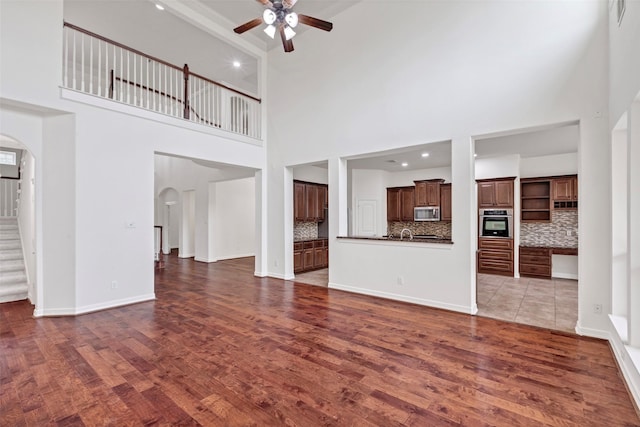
<point>402,233</point>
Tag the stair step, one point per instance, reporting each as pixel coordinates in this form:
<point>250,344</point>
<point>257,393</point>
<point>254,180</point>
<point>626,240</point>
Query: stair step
<point>12,277</point>
<point>9,236</point>
<point>11,265</point>
<point>9,244</point>
<point>14,292</point>
<point>10,254</point>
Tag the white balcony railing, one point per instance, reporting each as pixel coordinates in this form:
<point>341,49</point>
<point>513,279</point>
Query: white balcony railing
<point>98,66</point>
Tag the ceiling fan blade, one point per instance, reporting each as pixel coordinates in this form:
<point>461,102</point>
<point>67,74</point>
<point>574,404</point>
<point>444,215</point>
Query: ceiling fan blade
<point>315,22</point>
<point>287,44</point>
<point>266,3</point>
<point>288,4</point>
<point>248,25</point>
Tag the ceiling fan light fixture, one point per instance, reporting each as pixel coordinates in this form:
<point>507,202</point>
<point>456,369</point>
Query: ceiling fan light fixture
<point>288,32</point>
<point>292,19</point>
<point>270,31</point>
<point>269,17</point>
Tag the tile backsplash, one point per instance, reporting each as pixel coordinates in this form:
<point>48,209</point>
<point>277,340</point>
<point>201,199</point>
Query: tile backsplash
<point>554,233</point>
<point>305,230</point>
<point>439,228</point>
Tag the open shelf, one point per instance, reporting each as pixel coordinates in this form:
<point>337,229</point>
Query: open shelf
<point>535,200</point>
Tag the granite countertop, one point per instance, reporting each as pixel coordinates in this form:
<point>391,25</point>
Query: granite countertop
<point>558,250</point>
<point>444,240</point>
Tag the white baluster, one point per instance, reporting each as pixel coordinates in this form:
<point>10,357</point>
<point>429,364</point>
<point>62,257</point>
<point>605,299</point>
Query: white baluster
<point>82,36</point>
<point>66,57</point>
<point>73,63</point>
<point>99,67</point>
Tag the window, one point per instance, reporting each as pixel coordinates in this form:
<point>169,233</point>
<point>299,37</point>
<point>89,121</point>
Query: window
<point>7,158</point>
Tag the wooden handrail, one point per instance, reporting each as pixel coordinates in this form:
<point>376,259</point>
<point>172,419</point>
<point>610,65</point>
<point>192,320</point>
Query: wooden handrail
<point>187,108</point>
<point>153,58</point>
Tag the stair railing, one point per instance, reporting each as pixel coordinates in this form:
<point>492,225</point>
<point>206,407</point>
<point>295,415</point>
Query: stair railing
<point>102,67</point>
<point>9,197</point>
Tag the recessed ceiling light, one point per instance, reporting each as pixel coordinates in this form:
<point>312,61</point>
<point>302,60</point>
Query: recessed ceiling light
<point>236,64</point>
<point>159,6</point>
<point>405,164</point>
<point>425,154</point>
<point>475,155</point>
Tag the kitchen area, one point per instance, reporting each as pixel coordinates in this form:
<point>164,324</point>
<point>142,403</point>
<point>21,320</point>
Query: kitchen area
<point>527,253</point>
<point>311,226</point>
<point>525,214</point>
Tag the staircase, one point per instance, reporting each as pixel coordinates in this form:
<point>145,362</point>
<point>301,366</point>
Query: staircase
<point>13,279</point>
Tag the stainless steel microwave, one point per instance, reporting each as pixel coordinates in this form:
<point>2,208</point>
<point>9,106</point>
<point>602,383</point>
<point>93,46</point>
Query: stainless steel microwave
<point>426,213</point>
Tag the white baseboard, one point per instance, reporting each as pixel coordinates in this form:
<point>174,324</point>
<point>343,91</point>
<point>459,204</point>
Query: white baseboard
<point>186,255</point>
<point>53,312</point>
<point>404,298</point>
<point>565,276</point>
<point>593,333</point>
<point>234,256</point>
<point>280,276</point>
<point>208,260</point>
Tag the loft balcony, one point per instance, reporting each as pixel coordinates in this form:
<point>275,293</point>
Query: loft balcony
<point>101,67</point>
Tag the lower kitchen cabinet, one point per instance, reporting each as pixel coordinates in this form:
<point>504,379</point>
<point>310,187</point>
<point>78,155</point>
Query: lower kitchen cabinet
<point>310,255</point>
<point>535,262</point>
<point>495,256</point>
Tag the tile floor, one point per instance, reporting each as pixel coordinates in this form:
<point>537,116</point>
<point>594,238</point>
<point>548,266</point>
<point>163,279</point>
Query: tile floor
<point>548,303</point>
<point>317,277</point>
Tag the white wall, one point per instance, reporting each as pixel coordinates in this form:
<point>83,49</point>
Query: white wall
<point>471,78</point>
<point>498,167</point>
<point>234,234</point>
<point>559,164</point>
<point>308,173</point>
<point>624,60</point>
<point>27,220</point>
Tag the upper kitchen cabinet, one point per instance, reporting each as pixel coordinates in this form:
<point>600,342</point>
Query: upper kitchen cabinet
<point>309,201</point>
<point>299,202</point>
<point>400,203</point>
<point>565,192</point>
<point>495,193</point>
<point>445,202</point>
<point>427,193</point>
<point>535,202</point>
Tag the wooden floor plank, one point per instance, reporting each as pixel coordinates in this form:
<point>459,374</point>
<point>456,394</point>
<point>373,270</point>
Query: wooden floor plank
<point>220,347</point>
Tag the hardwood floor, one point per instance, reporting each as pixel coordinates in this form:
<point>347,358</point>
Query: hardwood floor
<point>220,347</point>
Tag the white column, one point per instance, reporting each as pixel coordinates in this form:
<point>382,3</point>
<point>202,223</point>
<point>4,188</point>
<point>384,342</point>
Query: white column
<point>287,217</point>
<point>619,295</point>
<point>261,266</point>
<point>633,242</point>
<point>464,226</point>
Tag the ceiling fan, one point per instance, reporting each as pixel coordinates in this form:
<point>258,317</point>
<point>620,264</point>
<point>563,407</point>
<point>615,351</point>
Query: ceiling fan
<point>279,16</point>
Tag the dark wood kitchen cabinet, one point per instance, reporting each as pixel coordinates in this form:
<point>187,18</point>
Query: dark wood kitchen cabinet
<point>310,255</point>
<point>299,202</point>
<point>535,200</point>
<point>445,202</point>
<point>400,203</point>
<point>323,201</point>
<point>495,256</point>
<point>309,201</point>
<point>495,193</point>
<point>565,192</point>
<point>535,262</point>
<point>427,192</point>
<point>320,253</point>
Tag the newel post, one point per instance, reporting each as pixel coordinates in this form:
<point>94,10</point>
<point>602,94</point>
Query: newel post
<point>185,72</point>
